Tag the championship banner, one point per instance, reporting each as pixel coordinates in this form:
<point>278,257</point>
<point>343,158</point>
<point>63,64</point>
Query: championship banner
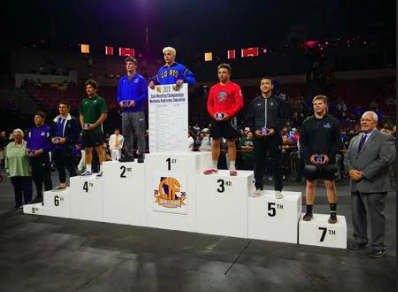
<point>169,193</point>
<point>168,118</point>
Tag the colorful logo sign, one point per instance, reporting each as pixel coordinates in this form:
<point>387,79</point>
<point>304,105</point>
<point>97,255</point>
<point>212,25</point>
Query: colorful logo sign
<point>169,194</point>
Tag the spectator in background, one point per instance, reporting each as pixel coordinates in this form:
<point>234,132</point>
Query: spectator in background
<point>246,145</point>
<point>3,144</point>
<point>191,140</point>
<point>116,141</point>
<point>206,141</point>
<point>172,72</point>
<point>38,148</point>
<point>65,133</point>
<point>341,106</point>
<point>18,168</point>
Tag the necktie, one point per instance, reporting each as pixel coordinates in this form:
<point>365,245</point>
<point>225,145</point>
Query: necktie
<point>363,139</point>
<point>116,142</point>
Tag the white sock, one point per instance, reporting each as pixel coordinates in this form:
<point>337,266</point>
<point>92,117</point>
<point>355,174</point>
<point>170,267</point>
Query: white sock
<point>214,164</point>
<point>232,165</point>
<point>100,168</point>
<point>88,167</point>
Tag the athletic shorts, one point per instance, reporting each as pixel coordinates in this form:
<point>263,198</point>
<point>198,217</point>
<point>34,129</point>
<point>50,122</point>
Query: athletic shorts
<point>225,129</point>
<point>314,172</point>
<point>92,139</point>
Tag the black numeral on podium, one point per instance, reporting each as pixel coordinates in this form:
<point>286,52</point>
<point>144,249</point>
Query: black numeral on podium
<point>170,162</point>
<point>85,186</point>
<point>56,201</point>
<point>324,229</point>
<point>221,187</point>
<point>271,209</point>
<point>123,168</point>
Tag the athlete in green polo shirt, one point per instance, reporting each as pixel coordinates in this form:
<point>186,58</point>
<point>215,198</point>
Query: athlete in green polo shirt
<point>93,112</point>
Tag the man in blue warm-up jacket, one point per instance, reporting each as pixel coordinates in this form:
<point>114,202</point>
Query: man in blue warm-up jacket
<point>132,96</point>
<point>172,72</point>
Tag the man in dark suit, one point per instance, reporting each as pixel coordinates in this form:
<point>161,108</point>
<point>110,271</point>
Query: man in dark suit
<point>368,159</point>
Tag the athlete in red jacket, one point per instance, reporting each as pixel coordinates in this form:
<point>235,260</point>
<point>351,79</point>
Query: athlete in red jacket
<point>224,102</point>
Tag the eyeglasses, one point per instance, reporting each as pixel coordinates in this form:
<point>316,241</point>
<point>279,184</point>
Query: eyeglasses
<point>366,121</point>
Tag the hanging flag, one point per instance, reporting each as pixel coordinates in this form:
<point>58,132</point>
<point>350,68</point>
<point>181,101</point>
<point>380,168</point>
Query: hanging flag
<point>109,51</point>
<point>84,48</point>
<point>231,54</point>
<point>208,56</point>
<point>250,52</point>
<point>126,52</point>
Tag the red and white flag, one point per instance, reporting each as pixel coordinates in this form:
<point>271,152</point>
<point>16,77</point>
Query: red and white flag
<point>109,51</point>
<point>127,52</point>
<point>250,52</point>
<point>231,54</point>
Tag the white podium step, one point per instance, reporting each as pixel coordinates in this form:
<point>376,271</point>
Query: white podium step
<point>86,198</point>
<point>274,219</point>
<point>222,203</point>
<point>171,189</point>
<point>57,204</point>
<point>319,232</point>
<point>34,209</point>
<point>124,193</point>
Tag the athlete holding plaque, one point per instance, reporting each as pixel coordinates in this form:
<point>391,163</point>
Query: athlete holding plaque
<point>93,112</point>
<point>224,102</point>
<point>266,117</point>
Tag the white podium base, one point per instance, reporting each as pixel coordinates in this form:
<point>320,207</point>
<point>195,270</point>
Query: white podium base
<point>319,232</point>
<point>171,189</point>
<point>57,204</point>
<point>86,198</point>
<point>34,209</point>
<point>274,219</point>
<point>124,193</point>
<point>222,203</point>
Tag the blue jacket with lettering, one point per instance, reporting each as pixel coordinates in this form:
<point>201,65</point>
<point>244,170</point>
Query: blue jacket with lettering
<point>136,90</point>
<point>170,74</point>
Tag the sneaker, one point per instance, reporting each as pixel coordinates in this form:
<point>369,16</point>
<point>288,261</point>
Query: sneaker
<point>278,195</point>
<point>332,218</point>
<point>257,193</point>
<point>210,171</point>
<point>127,158</point>
<point>86,173</point>
<point>17,207</point>
<point>100,174</point>
<point>357,245</point>
<point>37,200</point>
<point>377,253</point>
<point>58,188</point>
<point>140,158</point>
<point>233,172</point>
<point>307,217</point>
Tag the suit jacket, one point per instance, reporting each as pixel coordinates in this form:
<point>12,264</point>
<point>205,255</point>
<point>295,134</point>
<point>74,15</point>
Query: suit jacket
<point>374,160</point>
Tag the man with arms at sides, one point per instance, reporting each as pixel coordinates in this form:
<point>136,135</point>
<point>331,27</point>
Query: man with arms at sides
<point>369,157</point>
<point>116,141</point>
<point>132,96</point>
<point>266,117</point>
<point>38,148</point>
<point>224,102</point>
<point>93,112</point>
<point>172,72</point>
<point>320,141</point>
<point>65,133</point>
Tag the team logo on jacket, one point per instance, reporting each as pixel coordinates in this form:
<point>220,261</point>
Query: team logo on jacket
<point>327,125</point>
<point>222,95</point>
<point>169,194</point>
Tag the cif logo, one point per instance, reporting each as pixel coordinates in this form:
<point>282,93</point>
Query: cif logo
<point>169,193</point>
<point>159,89</point>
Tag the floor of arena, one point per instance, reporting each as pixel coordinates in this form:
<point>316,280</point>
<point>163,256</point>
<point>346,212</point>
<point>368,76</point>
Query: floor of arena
<point>39,253</point>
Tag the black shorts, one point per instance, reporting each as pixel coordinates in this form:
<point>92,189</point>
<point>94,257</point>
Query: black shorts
<point>314,172</point>
<point>92,139</point>
<point>226,129</point>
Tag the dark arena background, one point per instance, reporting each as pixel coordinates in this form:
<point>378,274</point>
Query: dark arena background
<point>345,50</point>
